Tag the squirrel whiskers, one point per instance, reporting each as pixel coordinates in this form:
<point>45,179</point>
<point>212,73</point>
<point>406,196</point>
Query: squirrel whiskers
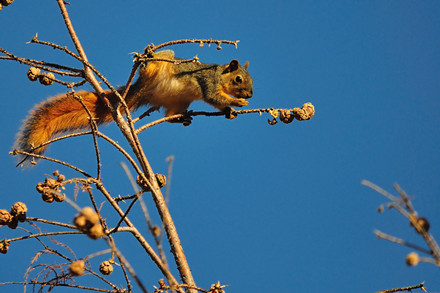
<point>161,84</point>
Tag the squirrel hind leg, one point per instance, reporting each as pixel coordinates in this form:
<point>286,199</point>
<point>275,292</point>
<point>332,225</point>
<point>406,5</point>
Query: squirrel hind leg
<point>177,109</point>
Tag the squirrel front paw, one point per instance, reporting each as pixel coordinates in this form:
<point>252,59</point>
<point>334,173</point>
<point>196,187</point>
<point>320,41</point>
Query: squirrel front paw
<point>240,102</point>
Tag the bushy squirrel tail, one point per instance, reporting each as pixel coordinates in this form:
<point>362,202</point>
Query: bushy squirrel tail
<point>60,114</point>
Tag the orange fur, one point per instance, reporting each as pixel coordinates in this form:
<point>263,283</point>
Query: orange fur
<point>59,114</point>
<point>162,84</point>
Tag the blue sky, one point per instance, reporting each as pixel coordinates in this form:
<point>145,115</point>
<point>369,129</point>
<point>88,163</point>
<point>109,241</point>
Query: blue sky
<point>262,208</point>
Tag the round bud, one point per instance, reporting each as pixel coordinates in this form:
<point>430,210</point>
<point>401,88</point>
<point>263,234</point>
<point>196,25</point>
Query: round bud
<point>106,268</point>
<point>286,116</point>
<point>59,197</point>
<point>40,187</point>
<point>76,268</point>
<point>140,181</point>
<point>90,215</point>
<point>13,223</point>
<point>412,259</point>
<point>33,73</point>
<point>80,222</point>
<point>156,231</point>
<point>47,196</point>
<point>272,122</point>
<point>4,246</point>
<point>95,232</point>
<point>19,211</point>
<point>5,217</point>
<point>46,78</point>
<point>161,180</point>
<point>52,183</point>
<point>423,222</point>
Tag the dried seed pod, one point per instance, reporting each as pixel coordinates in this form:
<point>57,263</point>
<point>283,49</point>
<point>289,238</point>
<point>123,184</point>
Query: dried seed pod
<point>272,122</point>
<point>286,116</point>
<point>5,217</point>
<point>33,73</point>
<point>46,78</point>
<point>274,113</point>
<point>76,268</point>
<point>90,215</point>
<point>305,113</point>
<point>161,180</point>
<point>156,231</point>
<point>141,182</point>
<point>47,195</point>
<point>80,222</point>
<point>13,224</point>
<point>412,259</point>
<point>95,232</point>
<point>380,209</point>
<point>40,187</point>
<point>19,210</point>
<point>106,268</point>
<point>59,197</point>
<point>423,223</point>
<point>4,246</point>
<point>88,222</point>
<point>51,183</point>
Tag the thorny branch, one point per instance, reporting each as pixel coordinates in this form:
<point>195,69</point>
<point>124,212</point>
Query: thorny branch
<point>144,170</point>
<point>409,288</point>
<point>421,225</point>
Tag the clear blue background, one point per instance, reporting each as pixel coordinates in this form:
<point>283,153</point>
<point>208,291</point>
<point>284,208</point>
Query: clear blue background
<point>262,208</point>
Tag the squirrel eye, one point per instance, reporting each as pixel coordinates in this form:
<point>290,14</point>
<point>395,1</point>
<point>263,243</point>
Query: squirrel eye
<point>239,79</point>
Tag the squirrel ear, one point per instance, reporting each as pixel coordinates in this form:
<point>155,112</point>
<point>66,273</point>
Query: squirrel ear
<point>233,65</point>
<point>246,65</point>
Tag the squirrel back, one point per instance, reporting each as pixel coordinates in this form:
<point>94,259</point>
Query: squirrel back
<point>171,85</point>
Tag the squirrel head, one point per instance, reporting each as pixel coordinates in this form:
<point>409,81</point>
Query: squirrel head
<point>236,80</point>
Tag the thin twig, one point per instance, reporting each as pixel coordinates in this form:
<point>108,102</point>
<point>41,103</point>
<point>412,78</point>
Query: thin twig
<point>404,206</point>
<point>200,41</point>
<point>55,46</point>
<point>31,219</point>
<point>380,190</point>
<point>177,117</point>
<point>44,65</point>
<point>34,282</point>
<point>44,235</point>
<point>409,288</point>
<point>391,238</point>
<point>131,270</point>
<point>14,152</point>
<point>136,234</point>
<point>94,129</point>
<point>151,227</point>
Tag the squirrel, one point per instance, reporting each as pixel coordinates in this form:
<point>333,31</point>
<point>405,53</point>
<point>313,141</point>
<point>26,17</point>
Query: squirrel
<point>170,85</point>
